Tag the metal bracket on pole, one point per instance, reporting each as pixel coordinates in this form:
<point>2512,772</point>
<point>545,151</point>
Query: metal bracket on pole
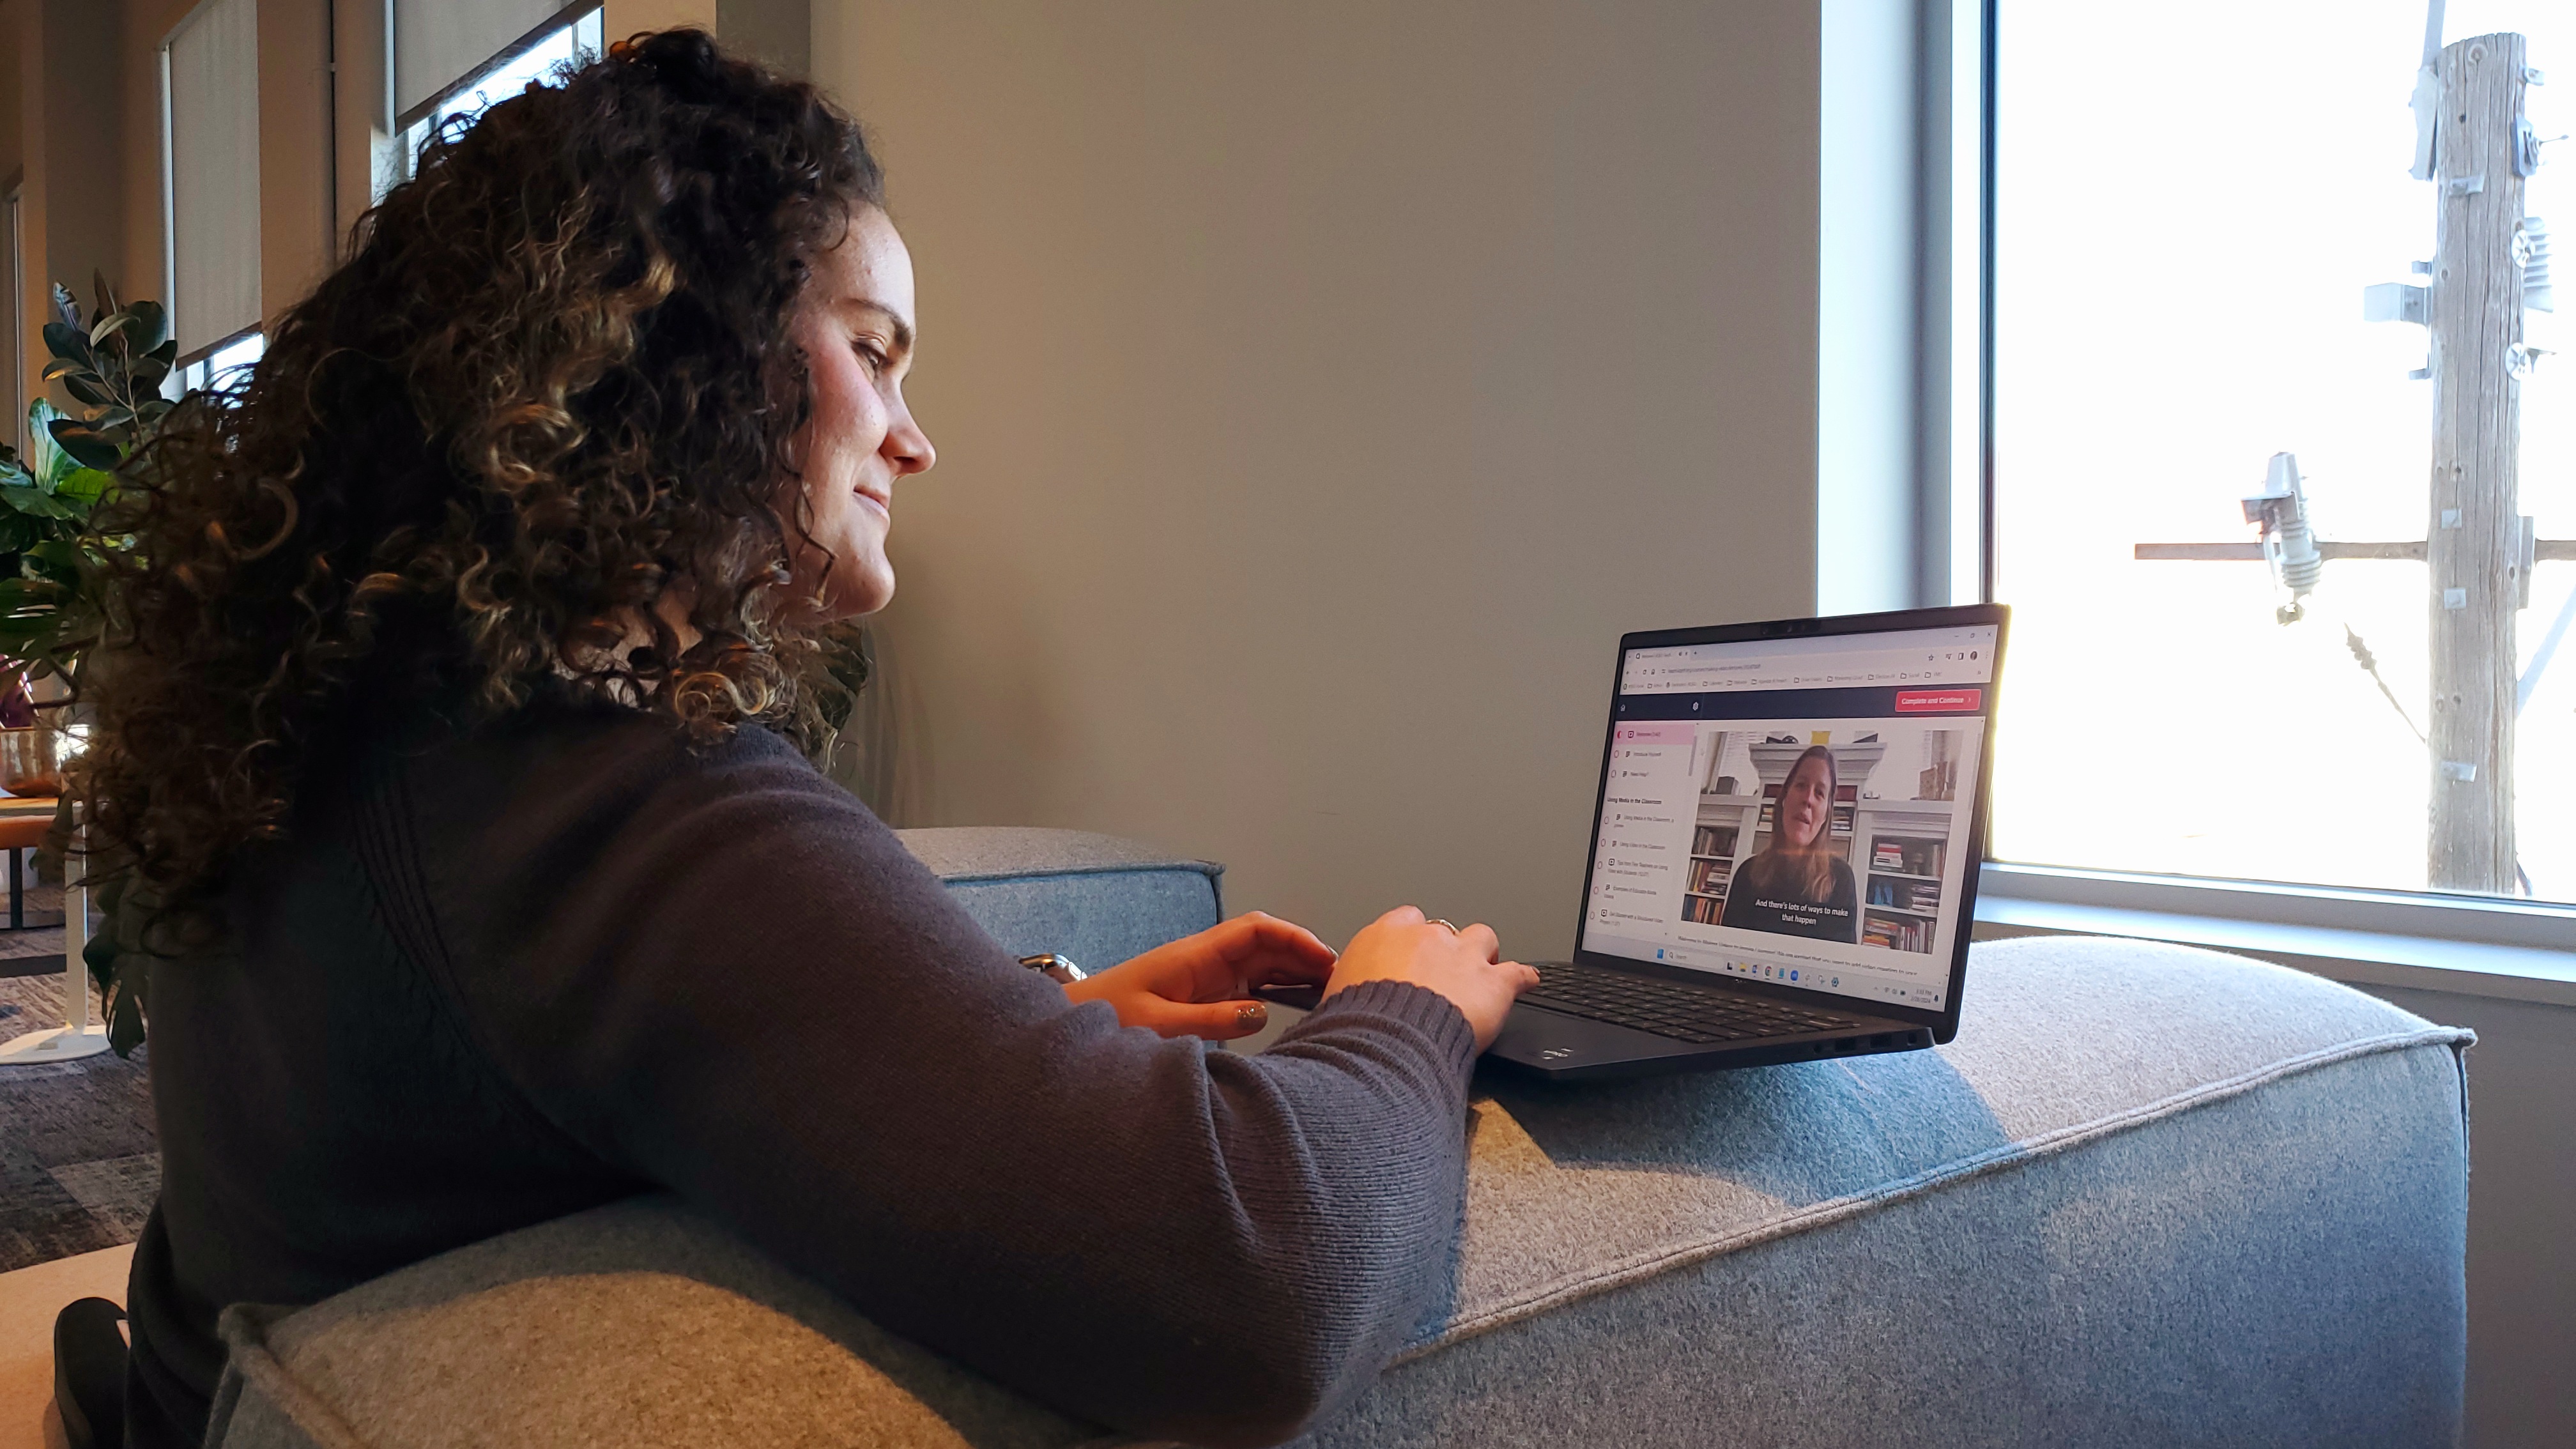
<point>2396,302</point>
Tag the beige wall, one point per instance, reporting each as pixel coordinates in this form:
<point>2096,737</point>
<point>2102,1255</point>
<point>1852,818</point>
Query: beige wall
<point>621,18</point>
<point>143,24</point>
<point>84,122</point>
<point>14,371</point>
<point>1320,391</point>
<point>2522,1268</point>
<point>297,232</point>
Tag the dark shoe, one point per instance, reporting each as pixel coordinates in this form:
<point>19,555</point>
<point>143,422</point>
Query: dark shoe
<point>89,1374</point>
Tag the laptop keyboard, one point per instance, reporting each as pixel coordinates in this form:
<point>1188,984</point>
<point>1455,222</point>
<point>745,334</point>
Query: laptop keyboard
<point>1675,1009</point>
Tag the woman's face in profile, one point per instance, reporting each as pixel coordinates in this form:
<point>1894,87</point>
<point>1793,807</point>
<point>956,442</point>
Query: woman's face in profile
<point>1805,804</point>
<point>855,325</point>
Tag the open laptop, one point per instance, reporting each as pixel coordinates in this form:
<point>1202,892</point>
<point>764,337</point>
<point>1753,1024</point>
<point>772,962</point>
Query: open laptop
<point>1784,848</point>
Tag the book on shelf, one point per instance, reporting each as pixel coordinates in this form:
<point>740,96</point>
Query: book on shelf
<point>1704,909</point>
<point>1905,895</point>
<point>1910,855</point>
<point>1714,840</point>
<point>1895,933</point>
<point>1709,877</point>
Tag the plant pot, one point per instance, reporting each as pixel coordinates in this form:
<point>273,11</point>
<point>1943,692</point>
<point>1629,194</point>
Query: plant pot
<point>31,761</point>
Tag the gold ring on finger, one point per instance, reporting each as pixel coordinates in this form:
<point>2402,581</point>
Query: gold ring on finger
<point>1452,925</point>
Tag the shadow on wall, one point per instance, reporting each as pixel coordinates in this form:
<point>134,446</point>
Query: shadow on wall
<point>870,759</point>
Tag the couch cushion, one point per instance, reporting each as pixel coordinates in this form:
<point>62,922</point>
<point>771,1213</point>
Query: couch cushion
<point>2151,1195</point>
<point>1096,898</point>
<point>636,1324</point>
<point>2063,1041</point>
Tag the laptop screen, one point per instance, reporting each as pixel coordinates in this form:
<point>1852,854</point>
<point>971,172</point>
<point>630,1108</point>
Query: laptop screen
<point>1795,810</point>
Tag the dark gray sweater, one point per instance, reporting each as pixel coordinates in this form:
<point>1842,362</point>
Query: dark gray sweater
<point>497,978</point>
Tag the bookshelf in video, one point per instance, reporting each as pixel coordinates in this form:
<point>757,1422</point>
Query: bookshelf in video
<point>1796,810</point>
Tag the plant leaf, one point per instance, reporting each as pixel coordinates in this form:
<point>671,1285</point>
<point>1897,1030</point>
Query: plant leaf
<point>65,307</point>
<point>86,487</point>
<point>106,327</point>
<point>151,327</point>
<point>86,445</point>
<point>36,503</point>
<point>57,559</point>
<point>44,460</point>
<point>83,384</point>
<point>70,344</point>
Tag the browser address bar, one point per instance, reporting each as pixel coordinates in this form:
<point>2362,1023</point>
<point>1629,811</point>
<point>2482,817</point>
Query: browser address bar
<point>1895,666</point>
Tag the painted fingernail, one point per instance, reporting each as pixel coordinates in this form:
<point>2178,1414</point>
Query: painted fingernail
<point>1251,1015</point>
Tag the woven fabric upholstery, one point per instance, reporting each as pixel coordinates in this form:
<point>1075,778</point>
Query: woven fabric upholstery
<point>1095,898</point>
<point>2150,1196</point>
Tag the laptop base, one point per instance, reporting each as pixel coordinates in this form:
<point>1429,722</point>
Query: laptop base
<point>1561,1048</point>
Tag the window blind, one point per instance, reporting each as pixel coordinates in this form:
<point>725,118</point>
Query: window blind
<point>213,115</point>
<point>440,42</point>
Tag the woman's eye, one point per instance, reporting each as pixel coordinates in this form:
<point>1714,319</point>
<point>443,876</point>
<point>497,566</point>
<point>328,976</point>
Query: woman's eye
<point>868,354</point>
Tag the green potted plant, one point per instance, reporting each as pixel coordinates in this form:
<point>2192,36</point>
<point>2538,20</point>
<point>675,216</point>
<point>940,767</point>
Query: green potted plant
<point>54,607</point>
<point>114,365</point>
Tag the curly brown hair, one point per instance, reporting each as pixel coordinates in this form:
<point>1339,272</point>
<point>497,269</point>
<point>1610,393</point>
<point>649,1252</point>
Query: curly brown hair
<point>548,400</point>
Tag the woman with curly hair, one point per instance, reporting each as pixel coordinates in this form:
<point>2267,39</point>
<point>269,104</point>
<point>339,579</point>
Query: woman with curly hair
<point>458,732</point>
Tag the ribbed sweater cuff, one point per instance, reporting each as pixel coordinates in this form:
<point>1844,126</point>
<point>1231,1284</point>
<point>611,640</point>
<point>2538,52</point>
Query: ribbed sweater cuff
<point>1426,1011</point>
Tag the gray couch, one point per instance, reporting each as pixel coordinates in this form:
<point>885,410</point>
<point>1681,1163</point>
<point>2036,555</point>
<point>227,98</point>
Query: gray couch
<point>2150,1196</point>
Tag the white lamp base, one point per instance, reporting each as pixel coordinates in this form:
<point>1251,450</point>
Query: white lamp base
<point>60,1044</point>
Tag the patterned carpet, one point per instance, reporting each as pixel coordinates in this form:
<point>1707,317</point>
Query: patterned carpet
<point>79,1162</point>
<point>39,947</point>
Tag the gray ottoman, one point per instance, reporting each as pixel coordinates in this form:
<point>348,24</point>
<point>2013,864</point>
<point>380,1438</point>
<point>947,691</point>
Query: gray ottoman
<point>2150,1196</point>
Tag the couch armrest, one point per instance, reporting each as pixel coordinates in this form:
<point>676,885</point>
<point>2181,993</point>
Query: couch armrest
<point>2150,1197</point>
<point>1095,898</point>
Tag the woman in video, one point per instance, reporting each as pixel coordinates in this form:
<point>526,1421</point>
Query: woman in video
<point>1798,885</point>
<point>453,771</point>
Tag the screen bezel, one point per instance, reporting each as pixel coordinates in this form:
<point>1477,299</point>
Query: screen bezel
<point>1945,1021</point>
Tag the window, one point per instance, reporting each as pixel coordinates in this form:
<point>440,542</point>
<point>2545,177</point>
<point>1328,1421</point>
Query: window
<point>2197,209</point>
<point>15,275</point>
<point>210,174</point>
<point>561,42</point>
<point>223,367</point>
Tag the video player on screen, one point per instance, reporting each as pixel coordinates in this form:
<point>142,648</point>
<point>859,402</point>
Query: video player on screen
<point>1797,885</point>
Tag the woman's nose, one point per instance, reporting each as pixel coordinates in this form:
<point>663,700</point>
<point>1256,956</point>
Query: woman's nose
<point>908,447</point>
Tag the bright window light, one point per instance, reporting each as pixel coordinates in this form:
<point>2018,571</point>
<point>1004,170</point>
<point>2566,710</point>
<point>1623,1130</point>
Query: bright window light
<point>226,367</point>
<point>2190,201</point>
<point>570,47</point>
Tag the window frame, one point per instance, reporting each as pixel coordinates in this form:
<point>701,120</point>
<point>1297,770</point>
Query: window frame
<point>13,216</point>
<point>408,145</point>
<point>2489,945</point>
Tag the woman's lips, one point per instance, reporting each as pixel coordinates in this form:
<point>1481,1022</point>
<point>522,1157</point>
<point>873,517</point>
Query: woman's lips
<point>884,507</point>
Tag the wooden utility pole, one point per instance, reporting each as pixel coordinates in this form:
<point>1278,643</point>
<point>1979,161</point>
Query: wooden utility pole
<point>2478,547</point>
<point>2478,542</point>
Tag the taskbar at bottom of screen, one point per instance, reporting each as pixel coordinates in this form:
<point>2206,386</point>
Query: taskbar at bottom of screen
<point>1809,973</point>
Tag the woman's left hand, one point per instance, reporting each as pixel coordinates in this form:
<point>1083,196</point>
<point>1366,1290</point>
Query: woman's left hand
<point>1201,985</point>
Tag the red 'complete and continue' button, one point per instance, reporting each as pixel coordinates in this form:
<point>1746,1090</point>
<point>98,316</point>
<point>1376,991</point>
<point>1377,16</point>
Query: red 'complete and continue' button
<point>1938,701</point>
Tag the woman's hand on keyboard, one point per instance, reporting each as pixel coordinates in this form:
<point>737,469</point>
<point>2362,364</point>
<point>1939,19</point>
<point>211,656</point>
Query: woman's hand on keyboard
<point>1202,985</point>
<point>1463,965</point>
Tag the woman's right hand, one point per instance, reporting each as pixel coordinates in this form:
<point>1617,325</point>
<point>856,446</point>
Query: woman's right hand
<point>1461,965</point>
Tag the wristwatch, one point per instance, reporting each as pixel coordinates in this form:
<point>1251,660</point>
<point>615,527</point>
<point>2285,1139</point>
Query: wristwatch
<point>1055,967</point>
